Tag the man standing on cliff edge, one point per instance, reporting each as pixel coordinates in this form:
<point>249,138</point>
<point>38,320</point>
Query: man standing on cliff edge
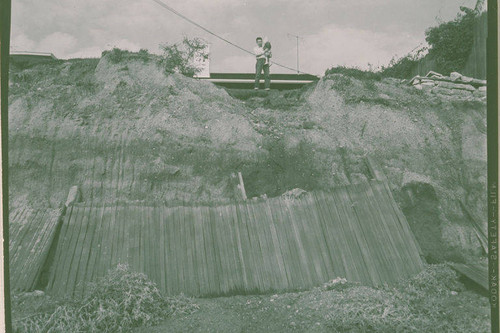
<point>261,64</point>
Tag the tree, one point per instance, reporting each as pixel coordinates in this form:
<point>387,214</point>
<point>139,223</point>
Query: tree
<point>178,58</point>
<point>451,42</point>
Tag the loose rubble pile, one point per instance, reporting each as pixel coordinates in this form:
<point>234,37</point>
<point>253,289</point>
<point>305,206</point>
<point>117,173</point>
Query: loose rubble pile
<point>454,85</point>
<point>294,194</point>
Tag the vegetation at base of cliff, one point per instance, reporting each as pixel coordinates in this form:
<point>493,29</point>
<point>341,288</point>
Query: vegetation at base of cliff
<point>433,301</point>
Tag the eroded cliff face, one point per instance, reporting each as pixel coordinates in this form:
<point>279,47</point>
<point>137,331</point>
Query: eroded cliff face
<point>432,148</point>
<point>126,131</point>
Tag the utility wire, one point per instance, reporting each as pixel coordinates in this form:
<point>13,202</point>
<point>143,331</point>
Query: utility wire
<point>167,7</point>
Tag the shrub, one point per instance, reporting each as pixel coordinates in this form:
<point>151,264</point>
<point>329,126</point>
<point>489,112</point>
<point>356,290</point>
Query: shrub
<point>116,55</point>
<point>436,279</point>
<point>339,284</point>
<point>401,68</point>
<point>143,55</point>
<point>178,58</point>
<point>118,302</point>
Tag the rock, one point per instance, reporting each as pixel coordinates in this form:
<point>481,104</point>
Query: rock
<point>73,196</point>
<point>451,92</point>
<point>466,79</point>
<point>483,88</point>
<point>434,74</point>
<point>337,284</point>
<point>35,293</point>
<point>455,76</point>
<point>459,86</point>
<point>479,82</point>
<point>413,177</point>
<point>415,81</point>
<point>418,86</point>
<point>294,194</point>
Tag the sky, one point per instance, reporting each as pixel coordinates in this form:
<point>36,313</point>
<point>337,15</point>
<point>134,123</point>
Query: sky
<point>333,32</point>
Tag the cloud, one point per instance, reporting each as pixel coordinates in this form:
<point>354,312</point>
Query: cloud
<point>22,43</point>
<point>338,46</point>
<point>89,52</point>
<point>59,43</point>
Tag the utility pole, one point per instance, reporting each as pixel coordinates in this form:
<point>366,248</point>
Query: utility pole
<point>297,38</point>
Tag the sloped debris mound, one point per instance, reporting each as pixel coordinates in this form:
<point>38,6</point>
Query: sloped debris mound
<point>454,85</point>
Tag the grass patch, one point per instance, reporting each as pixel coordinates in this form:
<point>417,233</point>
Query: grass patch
<point>117,55</point>
<point>354,73</point>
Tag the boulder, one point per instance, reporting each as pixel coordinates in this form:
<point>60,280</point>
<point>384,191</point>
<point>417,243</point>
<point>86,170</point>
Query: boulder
<point>479,82</point>
<point>415,80</point>
<point>455,76</point>
<point>458,86</point>
<point>434,74</point>
<point>466,79</point>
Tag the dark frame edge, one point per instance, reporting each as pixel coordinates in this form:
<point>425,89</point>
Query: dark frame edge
<point>5,15</point>
<point>492,125</point>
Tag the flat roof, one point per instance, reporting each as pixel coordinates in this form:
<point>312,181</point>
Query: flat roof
<point>31,53</point>
<point>251,76</point>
